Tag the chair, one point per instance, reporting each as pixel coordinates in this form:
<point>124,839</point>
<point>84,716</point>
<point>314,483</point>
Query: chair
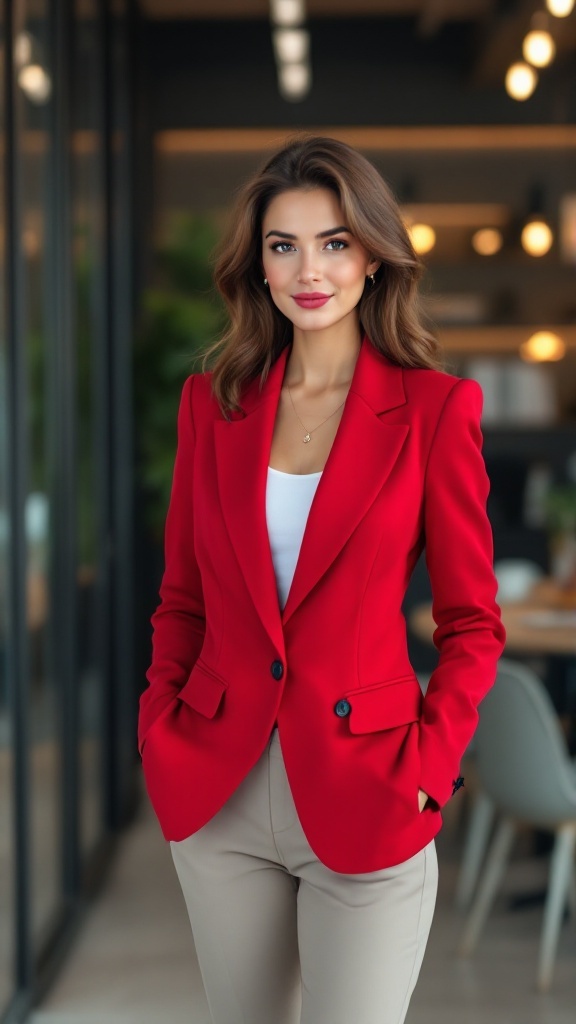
<point>526,775</point>
<point>476,842</point>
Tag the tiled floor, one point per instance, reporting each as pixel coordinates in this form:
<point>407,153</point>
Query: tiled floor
<point>134,961</point>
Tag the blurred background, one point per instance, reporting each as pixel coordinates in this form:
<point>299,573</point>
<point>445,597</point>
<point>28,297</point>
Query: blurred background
<point>126,127</point>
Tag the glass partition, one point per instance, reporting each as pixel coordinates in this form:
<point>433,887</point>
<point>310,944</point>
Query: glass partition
<point>63,557</point>
<point>34,140</point>
<point>7,905</point>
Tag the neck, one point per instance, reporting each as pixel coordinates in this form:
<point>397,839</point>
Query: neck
<point>321,360</point>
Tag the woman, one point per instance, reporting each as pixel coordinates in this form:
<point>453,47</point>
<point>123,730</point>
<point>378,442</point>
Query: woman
<point>292,761</point>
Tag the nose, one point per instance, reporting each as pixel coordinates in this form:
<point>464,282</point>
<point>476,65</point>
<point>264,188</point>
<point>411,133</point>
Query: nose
<point>309,269</point>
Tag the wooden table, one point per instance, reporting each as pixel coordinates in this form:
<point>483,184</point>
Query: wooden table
<point>543,623</point>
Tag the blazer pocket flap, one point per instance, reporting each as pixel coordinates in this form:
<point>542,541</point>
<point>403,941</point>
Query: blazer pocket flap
<point>203,691</point>
<point>385,705</point>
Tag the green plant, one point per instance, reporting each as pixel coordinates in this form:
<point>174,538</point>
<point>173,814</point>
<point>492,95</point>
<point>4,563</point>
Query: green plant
<point>181,316</point>
<point>561,508</point>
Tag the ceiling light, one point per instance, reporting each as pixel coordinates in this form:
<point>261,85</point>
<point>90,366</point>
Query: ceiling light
<point>35,83</point>
<point>487,241</point>
<point>539,48</point>
<point>294,80</point>
<point>521,80</point>
<point>537,237</point>
<point>291,45</point>
<point>422,236</point>
<point>560,8</point>
<point>543,347</point>
<point>287,12</point>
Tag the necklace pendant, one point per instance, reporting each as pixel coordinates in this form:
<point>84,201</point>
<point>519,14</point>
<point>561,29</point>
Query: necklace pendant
<point>306,438</point>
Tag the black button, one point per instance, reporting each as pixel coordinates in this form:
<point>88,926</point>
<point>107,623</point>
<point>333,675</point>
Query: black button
<point>343,708</point>
<point>277,669</point>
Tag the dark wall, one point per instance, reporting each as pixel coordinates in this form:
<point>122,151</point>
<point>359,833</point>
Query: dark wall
<point>365,71</point>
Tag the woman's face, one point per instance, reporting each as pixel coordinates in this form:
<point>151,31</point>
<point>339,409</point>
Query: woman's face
<point>316,269</point>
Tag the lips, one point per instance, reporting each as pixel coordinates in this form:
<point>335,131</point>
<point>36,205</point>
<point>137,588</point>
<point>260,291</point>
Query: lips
<point>311,300</point>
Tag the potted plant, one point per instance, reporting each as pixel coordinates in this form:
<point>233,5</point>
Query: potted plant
<point>560,509</point>
<point>181,316</point>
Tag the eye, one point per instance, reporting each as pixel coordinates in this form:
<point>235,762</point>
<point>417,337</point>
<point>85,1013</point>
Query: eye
<point>281,246</point>
<point>339,242</point>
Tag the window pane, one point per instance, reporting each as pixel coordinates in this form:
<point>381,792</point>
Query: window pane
<point>7,924</point>
<point>33,100</point>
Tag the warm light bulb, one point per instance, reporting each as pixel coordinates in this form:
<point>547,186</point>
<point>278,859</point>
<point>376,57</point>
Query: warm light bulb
<point>539,48</point>
<point>35,83</point>
<point>287,12</point>
<point>422,236</point>
<point>543,346</point>
<point>521,80</point>
<point>294,80</point>
<point>560,8</point>
<point>537,237</point>
<point>291,45</point>
<point>487,241</point>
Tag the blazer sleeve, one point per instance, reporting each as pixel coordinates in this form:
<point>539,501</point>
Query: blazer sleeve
<point>179,621</point>
<point>469,634</point>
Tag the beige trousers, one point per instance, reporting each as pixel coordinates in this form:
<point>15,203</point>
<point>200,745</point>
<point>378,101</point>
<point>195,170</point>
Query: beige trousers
<point>282,939</point>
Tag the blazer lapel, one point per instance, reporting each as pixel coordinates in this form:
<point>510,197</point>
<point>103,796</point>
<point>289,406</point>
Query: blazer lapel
<point>363,454</point>
<point>242,448</point>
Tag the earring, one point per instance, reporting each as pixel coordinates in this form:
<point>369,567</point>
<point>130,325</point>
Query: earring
<point>266,281</point>
<point>372,279</point>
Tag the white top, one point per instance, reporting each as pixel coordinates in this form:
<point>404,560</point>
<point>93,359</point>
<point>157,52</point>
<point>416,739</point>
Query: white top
<point>288,500</point>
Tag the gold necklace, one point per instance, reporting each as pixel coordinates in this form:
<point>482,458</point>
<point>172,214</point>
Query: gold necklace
<point>308,435</point>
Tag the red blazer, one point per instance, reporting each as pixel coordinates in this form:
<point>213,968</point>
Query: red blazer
<point>405,472</point>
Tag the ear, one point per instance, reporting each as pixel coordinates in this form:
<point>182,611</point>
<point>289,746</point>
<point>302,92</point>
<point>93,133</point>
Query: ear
<point>373,266</point>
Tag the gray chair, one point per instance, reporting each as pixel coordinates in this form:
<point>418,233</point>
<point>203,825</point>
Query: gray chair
<point>482,815</point>
<point>526,775</point>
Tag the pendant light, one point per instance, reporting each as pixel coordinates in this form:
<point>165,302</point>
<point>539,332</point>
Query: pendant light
<point>537,235</point>
<point>487,241</point>
<point>560,8</point>
<point>423,237</point>
<point>539,48</point>
<point>521,80</point>
<point>543,347</point>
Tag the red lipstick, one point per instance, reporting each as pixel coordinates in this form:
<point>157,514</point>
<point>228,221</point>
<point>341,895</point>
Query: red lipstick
<point>311,300</point>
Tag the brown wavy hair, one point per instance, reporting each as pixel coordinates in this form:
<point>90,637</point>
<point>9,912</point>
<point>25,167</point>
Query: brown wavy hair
<point>389,309</point>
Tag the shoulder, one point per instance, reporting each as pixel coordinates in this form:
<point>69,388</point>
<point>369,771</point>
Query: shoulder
<point>436,390</point>
<point>197,391</point>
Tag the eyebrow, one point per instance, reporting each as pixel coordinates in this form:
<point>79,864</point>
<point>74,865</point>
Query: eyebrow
<point>323,234</point>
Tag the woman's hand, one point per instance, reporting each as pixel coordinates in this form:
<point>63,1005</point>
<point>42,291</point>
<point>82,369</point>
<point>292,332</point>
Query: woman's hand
<point>422,798</point>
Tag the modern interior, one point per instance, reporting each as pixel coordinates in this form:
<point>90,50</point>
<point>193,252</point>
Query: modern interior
<point>126,128</point>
